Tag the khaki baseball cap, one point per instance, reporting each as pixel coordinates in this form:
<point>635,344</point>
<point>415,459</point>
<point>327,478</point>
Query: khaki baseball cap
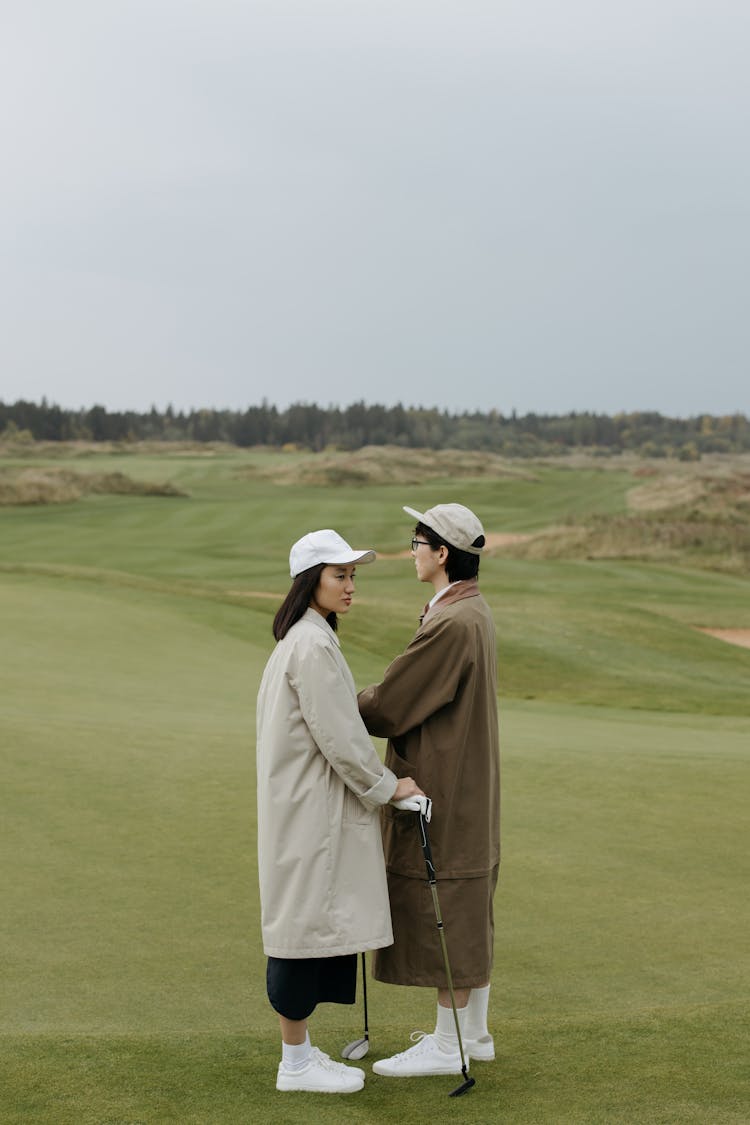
<point>454,523</point>
<point>324,546</point>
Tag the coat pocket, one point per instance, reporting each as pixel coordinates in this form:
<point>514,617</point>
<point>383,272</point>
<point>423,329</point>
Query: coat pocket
<point>353,811</point>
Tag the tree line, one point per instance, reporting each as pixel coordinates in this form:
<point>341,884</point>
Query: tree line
<point>313,427</point>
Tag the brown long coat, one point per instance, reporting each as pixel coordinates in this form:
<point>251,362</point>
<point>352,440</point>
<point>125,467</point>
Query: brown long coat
<point>437,705</point>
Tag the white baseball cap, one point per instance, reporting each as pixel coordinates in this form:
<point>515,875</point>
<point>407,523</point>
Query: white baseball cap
<point>325,546</point>
<point>454,523</point>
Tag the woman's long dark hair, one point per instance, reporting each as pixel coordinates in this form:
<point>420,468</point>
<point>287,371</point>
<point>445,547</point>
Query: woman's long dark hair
<point>297,601</point>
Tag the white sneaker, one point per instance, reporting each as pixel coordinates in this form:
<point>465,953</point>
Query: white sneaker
<point>425,1057</point>
<point>321,1075</point>
<point>482,1048</point>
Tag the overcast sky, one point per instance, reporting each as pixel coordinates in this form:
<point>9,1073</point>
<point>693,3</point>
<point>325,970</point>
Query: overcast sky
<point>472,204</point>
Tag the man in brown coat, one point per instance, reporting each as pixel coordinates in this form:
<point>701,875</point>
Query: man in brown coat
<point>437,705</point>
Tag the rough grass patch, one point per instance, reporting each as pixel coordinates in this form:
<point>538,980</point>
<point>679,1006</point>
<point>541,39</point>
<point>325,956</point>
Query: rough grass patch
<point>387,464</point>
<point>700,517</point>
<point>63,486</point>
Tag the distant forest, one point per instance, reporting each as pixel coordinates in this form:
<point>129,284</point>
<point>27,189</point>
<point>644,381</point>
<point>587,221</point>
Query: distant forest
<point>307,426</point>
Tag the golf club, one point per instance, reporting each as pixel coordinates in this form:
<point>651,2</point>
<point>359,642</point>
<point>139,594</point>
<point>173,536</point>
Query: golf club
<point>358,1048</point>
<point>432,879</point>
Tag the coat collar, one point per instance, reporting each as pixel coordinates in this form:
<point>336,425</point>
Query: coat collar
<point>315,618</point>
<point>466,588</point>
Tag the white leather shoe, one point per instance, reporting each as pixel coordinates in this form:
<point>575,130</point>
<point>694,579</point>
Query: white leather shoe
<point>321,1075</point>
<point>425,1057</point>
<point>482,1048</point>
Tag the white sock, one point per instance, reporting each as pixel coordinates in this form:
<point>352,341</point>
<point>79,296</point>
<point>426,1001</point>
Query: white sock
<point>445,1028</point>
<point>476,1013</point>
<point>295,1055</point>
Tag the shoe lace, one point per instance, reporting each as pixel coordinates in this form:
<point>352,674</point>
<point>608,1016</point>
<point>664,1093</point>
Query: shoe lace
<point>417,1037</point>
<point>326,1061</point>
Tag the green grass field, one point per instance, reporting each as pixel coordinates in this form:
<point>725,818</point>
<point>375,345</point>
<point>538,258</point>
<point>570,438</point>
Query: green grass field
<point>134,631</point>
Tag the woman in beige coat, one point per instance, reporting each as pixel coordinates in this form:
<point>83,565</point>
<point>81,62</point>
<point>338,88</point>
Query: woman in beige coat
<point>324,896</point>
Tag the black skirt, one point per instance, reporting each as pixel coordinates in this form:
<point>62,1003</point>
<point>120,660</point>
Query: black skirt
<point>296,986</point>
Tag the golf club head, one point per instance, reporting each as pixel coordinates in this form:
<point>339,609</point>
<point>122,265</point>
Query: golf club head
<point>463,1088</point>
<point>357,1049</point>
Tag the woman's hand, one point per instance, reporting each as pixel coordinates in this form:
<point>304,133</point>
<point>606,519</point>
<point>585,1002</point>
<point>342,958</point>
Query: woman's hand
<point>407,787</point>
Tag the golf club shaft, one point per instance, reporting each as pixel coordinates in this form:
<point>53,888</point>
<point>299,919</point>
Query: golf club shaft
<point>364,994</point>
<point>449,975</point>
<point>432,879</point>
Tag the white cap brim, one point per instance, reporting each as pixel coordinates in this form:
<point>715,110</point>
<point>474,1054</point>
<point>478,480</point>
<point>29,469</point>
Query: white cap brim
<point>354,557</point>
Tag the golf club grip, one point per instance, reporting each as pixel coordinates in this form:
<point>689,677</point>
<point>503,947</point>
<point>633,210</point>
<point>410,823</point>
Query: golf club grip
<point>427,850</point>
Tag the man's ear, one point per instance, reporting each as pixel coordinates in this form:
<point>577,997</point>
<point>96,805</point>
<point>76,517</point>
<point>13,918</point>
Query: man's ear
<point>442,554</point>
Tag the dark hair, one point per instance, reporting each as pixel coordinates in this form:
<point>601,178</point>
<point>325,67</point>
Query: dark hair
<point>297,601</point>
<point>459,564</point>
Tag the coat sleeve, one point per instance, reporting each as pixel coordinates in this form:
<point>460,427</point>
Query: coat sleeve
<point>329,709</point>
<point>424,678</point>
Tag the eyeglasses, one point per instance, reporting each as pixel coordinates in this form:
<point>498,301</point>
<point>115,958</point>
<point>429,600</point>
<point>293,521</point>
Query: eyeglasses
<point>419,542</point>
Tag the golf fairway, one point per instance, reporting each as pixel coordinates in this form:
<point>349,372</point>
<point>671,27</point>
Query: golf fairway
<point>133,979</point>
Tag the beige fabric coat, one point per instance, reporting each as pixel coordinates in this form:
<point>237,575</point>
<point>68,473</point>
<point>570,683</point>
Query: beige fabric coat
<point>320,785</point>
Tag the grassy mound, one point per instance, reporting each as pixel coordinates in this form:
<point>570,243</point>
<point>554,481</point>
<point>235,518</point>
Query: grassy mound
<point>41,485</point>
<point>378,464</point>
<point>11,448</point>
<point>700,517</point>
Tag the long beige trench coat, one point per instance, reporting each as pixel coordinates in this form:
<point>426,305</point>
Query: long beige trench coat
<point>320,785</point>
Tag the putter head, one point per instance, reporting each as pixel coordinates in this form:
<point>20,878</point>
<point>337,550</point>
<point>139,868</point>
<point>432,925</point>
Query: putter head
<point>357,1049</point>
<point>463,1088</point>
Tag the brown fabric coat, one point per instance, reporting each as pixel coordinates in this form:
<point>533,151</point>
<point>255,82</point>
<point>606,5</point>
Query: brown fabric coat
<point>437,705</point>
